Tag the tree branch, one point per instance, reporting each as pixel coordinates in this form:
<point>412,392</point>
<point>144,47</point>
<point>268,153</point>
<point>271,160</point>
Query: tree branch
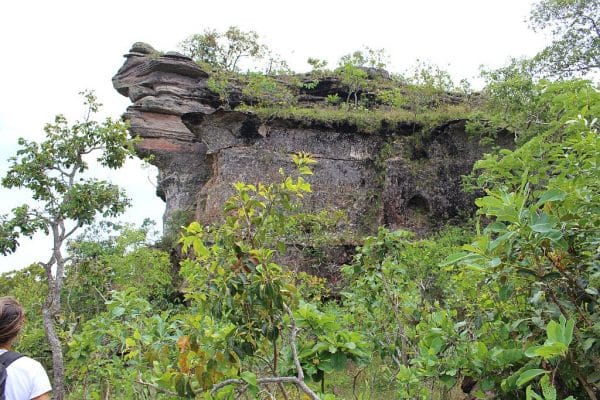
<point>157,388</point>
<point>266,381</point>
<point>300,372</point>
<point>69,233</point>
<point>294,334</point>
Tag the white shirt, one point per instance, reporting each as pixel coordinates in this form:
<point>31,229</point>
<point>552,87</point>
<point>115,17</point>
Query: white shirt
<point>25,379</point>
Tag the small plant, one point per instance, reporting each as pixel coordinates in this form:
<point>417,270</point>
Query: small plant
<point>333,99</point>
<point>392,97</point>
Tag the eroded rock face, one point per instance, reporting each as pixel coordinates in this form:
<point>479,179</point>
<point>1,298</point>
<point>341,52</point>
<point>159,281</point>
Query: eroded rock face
<point>403,177</point>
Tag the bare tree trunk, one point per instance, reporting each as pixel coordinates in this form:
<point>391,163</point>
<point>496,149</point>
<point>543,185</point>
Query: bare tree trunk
<point>58,390</point>
<point>51,309</point>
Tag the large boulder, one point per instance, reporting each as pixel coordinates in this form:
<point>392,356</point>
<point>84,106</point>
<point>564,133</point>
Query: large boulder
<point>405,176</point>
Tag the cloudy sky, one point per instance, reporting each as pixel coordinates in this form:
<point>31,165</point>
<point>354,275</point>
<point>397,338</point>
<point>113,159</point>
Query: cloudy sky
<point>51,50</point>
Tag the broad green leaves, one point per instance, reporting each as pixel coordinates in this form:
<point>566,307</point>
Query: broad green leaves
<point>327,347</point>
<point>529,375</point>
<point>559,338</point>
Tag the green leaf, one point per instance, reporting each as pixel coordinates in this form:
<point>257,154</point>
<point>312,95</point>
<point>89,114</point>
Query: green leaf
<point>553,234</point>
<point>527,271</point>
<point>548,390</point>
<point>304,170</point>
<point>541,223</point>
<point>550,350</point>
<point>482,350</point>
<point>551,195</point>
<point>326,366</point>
<point>592,291</point>
<point>339,360</point>
<point>505,292</point>
<point>554,331</point>
<point>500,240</point>
<point>496,226</point>
<point>494,262</point>
<point>350,345</point>
<point>180,385</point>
<point>249,378</point>
<point>551,276</point>
<point>568,332</point>
<point>118,311</point>
<point>528,375</point>
<point>454,258</point>
<point>530,394</point>
<point>542,227</point>
<point>448,381</point>
<point>200,249</point>
<point>588,343</point>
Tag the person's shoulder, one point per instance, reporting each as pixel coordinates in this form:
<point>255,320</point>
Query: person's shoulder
<point>26,363</point>
<point>30,376</point>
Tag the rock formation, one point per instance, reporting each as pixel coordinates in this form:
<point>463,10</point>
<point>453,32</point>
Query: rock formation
<point>403,177</point>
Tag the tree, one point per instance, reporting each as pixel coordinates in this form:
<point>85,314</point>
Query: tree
<point>64,199</point>
<point>352,74</point>
<point>575,27</point>
<point>541,235</point>
<point>223,50</point>
<point>353,68</point>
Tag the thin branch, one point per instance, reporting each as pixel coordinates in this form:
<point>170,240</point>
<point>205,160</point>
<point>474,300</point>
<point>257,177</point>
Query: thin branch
<point>91,149</point>
<point>400,327</point>
<point>354,380</point>
<point>101,295</point>
<point>73,173</point>
<point>60,170</point>
<point>157,388</point>
<point>69,233</point>
<point>48,268</point>
<point>294,333</point>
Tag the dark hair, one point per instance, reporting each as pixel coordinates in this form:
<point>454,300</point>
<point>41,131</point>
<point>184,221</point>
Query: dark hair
<point>11,319</point>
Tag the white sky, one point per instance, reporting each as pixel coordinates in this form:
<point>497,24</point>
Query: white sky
<point>51,50</point>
